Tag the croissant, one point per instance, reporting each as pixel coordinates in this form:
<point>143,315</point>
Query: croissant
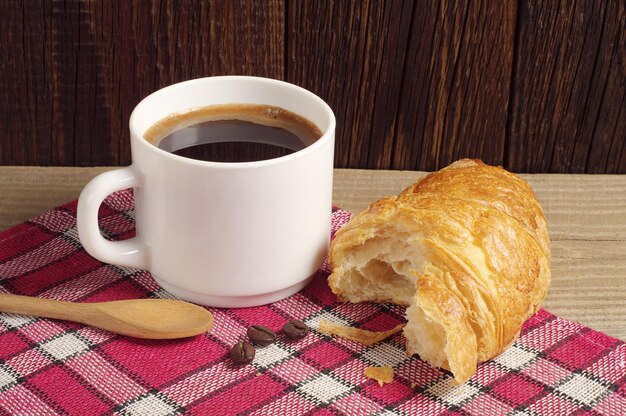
<point>466,249</point>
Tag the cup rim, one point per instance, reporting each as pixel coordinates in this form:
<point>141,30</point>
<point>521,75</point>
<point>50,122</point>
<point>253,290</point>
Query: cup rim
<point>326,136</point>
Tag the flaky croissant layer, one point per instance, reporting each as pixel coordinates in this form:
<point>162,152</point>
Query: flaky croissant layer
<point>465,248</point>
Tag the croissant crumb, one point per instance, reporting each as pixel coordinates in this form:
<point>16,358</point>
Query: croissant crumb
<point>383,375</point>
<point>362,336</point>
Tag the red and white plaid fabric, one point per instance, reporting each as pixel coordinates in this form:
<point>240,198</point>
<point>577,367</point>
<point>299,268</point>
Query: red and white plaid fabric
<point>48,367</point>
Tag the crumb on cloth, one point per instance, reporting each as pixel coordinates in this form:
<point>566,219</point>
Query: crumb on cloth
<point>381,374</point>
<point>356,334</point>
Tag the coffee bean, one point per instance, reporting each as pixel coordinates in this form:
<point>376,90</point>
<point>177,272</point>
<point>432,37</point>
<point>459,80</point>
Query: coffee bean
<point>295,329</point>
<point>260,335</point>
<point>242,353</point>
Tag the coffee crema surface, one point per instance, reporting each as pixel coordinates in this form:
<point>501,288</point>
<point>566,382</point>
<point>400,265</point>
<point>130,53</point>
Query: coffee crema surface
<point>233,133</point>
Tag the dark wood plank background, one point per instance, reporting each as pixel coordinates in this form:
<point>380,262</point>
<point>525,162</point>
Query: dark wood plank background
<point>535,86</point>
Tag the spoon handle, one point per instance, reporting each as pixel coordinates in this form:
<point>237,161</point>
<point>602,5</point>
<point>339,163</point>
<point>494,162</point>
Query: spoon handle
<point>44,308</point>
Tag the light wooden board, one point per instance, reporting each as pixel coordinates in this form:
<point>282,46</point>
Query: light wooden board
<point>28,191</point>
<point>586,219</point>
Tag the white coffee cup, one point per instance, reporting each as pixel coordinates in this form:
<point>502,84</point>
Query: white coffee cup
<point>221,234</point>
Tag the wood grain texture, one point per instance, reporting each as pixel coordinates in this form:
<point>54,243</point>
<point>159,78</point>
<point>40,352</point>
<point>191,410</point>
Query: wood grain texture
<point>351,54</point>
<point>537,86</point>
<point>73,70</point>
<point>569,92</point>
<point>26,85</point>
<point>456,89</point>
<point>586,220</point>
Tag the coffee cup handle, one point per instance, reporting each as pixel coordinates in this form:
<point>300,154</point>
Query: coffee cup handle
<point>130,253</point>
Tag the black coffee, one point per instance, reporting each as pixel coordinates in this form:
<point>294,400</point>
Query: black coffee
<point>233,133</point>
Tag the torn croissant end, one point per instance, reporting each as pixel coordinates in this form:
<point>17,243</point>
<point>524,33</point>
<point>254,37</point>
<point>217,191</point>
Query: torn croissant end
<point>381,374</point>
<point>362,336</point>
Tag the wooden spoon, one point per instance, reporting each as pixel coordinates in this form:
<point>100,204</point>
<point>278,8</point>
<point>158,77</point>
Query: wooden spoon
<point>140,318</point>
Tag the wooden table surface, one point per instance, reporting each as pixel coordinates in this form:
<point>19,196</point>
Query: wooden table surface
<point>586,219</point>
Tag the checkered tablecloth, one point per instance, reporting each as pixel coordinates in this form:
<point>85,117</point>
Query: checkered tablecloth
<point>47,367</point>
